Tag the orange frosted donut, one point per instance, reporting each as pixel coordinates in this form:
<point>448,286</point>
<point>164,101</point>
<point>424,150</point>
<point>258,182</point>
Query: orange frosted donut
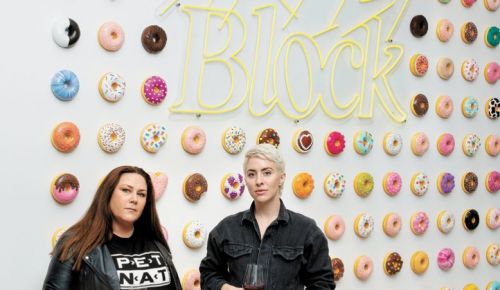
<point>470,257</point>
<point>391,224</point>
<point>419,65</point>
<point>194,186</point>
<point>419,262</point>
<point>111,36</point>
<point>65,137</point>
<point>191,280</point>
<point>302,141</point>
<point>363,267</point>
<point>334,227</point>
<point>303,185</point>
<point>445,68</point>
<point>269,136</point>
<point>419,143</point>
<point>193,140</point>
<point>444,107</point>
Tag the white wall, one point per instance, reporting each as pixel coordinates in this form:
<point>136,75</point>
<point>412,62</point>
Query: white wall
<point>29,58</point>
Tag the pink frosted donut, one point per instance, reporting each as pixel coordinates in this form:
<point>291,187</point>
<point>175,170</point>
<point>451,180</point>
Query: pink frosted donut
<point>154,90</point>
<point>160,182</point>
<point>64,188</point>
<point>363,267</point>
<point>492,5</point>
<point>444,107</point>
<point>334,227</point>
<point>191,280</point>
<point>334,143</point>
<point>468,3</point>
<point>492,145</point>
<point>391,224</point>
<point>419,223</point>
<point>193,140</point>
<point>392,183</point>
<point>419,144</point>
<point>111,36</point>
<point>444,30</point>
<point>492,72</point>
<point>470,257</point>
<point>446,144</point>
<point>493,181</point>
<point>493,218</point>
<point>446,259</point>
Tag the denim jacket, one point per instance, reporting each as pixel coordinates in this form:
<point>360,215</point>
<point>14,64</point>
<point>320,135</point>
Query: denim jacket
<point>293,251</point>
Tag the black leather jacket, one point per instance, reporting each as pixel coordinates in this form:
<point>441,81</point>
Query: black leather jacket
<point>97,272</point>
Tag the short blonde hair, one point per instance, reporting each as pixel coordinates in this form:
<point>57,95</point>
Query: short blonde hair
<point>267,152</point>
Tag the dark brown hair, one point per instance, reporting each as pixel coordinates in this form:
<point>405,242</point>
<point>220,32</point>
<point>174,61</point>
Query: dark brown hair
<point>95,227</point>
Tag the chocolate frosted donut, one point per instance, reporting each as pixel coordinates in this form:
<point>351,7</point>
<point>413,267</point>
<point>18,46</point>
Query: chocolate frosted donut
<point>338,268</point>
<point>470,219</point>
<point>269,136</point>
<point>153,38</point>
<point>469,182</point>
<point>419,105</point>
<point>419,26</point>
<point>195,185</point>
<point>393,263</point>
<point>469,32</point>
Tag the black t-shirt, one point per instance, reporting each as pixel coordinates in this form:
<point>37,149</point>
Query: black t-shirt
<point>139,264</point>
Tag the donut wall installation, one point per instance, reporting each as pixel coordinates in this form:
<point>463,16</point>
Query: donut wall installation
<point>386,112</point>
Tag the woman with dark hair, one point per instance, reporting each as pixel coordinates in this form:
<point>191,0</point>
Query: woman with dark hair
<point>118,244</point>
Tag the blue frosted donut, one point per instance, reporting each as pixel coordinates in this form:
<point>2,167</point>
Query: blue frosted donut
<point>65,85</point>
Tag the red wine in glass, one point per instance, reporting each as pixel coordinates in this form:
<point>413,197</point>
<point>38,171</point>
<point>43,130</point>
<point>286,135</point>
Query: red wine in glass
<point>254,277</point>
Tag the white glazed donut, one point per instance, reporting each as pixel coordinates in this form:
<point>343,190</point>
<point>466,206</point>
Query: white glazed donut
<point>112,87</point>
<point>446,221</point>
<point>419,184</point>
<point>194,234</point>
<point>111,137</point>
<point>471,144</point>
<point>234,140</point>
<point>153,136</point>
<point>393,143</point>
<point>363,225</point>
<point>470,69</point>
<point>334,185</point>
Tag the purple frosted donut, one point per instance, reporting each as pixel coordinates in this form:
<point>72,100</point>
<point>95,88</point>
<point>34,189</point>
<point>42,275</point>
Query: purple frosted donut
<point>154,90</point>
<point>446,183</point>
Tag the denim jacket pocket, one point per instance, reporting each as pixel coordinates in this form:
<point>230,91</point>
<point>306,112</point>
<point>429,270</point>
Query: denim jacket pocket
<point>286,265</point>
<point>238,256</point>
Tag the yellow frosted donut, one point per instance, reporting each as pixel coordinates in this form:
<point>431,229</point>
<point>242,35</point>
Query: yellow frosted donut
<point>471,287</point>
<point>363,184</point>
<point>419,262</point>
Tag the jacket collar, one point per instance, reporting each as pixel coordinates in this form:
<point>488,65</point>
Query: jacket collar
<point>249,214</point>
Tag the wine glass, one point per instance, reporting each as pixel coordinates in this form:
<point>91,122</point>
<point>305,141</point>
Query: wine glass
<point>254,277</point>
